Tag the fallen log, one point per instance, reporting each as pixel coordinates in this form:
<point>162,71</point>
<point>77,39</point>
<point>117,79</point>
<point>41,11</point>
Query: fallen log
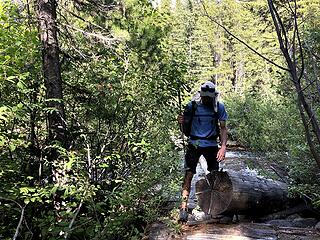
<point>302,207</point>
<point>240,193</point>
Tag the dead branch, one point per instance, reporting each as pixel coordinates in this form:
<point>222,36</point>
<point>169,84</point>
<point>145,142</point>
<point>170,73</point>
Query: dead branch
<point>82,19</point>
<point>98,36</point>
<point>21,216</point>
<point>73,220</point>
<point>299,41</point>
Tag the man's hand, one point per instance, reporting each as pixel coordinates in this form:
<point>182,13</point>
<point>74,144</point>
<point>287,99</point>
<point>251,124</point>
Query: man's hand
<point>221,153</point>
<point>180,119</point>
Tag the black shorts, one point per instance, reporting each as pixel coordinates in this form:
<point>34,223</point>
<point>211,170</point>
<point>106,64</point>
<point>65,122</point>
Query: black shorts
<point>193,154</point>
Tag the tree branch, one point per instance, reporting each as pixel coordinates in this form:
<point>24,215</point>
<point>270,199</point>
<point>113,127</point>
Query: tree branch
<point>82,19</point>
<point>21,216</point>
<point>283,30</point>
<point>314,66</point>
<point>299,41</point>
<point>97,36</point>
<point>308,134</point>
<point>276,24</point>
<point>19,224</point>
<point>73,219</point>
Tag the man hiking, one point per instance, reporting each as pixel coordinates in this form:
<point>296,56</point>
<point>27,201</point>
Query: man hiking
<point>203,121</point>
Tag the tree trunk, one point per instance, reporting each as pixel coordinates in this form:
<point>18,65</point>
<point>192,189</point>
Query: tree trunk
<point>51,70</point>
<point>240,193</point>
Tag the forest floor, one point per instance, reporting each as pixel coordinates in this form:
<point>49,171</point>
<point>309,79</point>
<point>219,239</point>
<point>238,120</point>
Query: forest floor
<point>297,226</point>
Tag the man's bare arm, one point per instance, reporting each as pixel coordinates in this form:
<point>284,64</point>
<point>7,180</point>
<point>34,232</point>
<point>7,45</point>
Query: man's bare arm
<point>223,137</point>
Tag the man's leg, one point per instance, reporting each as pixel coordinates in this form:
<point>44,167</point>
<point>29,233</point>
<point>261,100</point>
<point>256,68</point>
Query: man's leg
<point>185,196</point>
<point>186,188</point>
<point>210,154</point>
<point>191,160</point>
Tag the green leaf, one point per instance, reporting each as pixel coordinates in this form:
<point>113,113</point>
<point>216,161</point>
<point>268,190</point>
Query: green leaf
<point>54,189</point>
<point>11,78</point>
<point>12,147</point>
<point>104,165</point>
<point>21,85</point>
<point>70,163</point>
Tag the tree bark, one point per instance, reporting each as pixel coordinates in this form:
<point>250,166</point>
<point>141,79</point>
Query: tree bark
<point>54,97</point>
<point>51,70</point>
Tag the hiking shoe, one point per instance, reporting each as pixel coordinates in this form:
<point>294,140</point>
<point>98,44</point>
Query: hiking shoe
<point>183,216</point>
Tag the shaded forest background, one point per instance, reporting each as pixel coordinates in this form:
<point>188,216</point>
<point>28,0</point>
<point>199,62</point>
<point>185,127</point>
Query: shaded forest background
<point>98,159</point>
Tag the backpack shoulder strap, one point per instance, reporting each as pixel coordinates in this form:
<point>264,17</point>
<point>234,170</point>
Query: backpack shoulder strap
<point>217,121</point>
<point>193,107</point>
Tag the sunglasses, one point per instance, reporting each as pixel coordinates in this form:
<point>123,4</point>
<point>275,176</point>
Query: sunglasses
<point>208,89</point>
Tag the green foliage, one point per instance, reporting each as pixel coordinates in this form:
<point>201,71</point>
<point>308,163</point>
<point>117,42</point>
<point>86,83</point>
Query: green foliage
<point>123,67</point>
<point>264,124</point>
<point>118,102</point>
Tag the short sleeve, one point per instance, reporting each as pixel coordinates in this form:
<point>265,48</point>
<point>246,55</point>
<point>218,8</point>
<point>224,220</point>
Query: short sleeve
<point>222,113</point>
<point>188,109</point>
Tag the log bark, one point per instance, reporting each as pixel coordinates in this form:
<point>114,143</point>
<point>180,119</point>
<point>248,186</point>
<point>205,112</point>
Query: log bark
<point>302,207</point>
<point>240,193</point>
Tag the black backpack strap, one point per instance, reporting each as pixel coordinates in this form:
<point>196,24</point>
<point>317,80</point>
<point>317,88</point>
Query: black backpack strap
<point>217,121</point>
<point>193,110</point>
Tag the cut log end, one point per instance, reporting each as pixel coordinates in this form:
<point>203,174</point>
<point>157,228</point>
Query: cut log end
<point>216,198</point>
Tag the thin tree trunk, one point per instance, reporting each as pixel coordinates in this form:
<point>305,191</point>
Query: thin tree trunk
<point>51,70</point>
<point>54,97</point>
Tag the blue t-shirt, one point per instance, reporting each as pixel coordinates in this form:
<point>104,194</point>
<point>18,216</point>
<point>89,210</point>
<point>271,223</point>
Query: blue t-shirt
<point>204,123</point>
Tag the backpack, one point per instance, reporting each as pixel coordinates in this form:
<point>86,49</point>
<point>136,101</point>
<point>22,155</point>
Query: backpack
<point>187,124</point>
<point>188,118</point>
